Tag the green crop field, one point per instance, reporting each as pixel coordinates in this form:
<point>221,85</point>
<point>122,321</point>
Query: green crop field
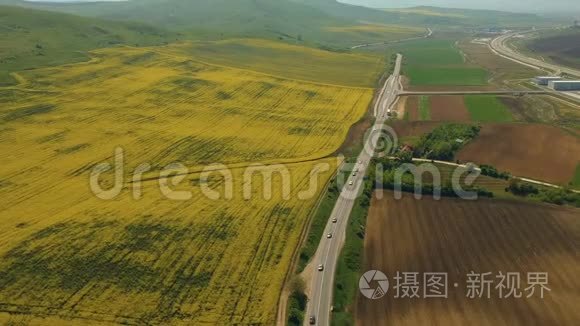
<point>438,62</point>
<point>484,108</point>
<point>576,180</point>
<point>431,52</point>
<point>424,109</point>
<point>446,76</point>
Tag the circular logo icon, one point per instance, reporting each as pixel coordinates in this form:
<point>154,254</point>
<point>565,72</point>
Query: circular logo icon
<point>382,284</point>
<point>381,139</point>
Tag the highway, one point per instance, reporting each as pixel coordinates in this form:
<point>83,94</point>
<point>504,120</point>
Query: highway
<point>511,92</point>
<point>322,282</point>
<point>499,47</point>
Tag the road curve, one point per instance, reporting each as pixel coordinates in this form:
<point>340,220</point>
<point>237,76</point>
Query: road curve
<point>322,282</point>
<point>499,47</point>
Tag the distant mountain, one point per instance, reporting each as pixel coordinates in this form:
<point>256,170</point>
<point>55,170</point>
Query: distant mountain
<point>427,16</point>
<point>276,17</point>
<point>469,17</point>
<point>241,17</point>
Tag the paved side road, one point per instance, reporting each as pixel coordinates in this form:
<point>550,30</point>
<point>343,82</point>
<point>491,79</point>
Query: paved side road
<point>322,282</point>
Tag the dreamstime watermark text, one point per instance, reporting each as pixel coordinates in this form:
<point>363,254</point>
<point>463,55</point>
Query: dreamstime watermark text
<point>217,181</point>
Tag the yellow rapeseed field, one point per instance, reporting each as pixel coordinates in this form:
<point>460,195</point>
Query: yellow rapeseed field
<point>290,61</point>
<point>70,257</point>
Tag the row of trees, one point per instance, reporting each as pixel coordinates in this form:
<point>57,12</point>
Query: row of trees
<point>491,171</point>
<point>557,196</point>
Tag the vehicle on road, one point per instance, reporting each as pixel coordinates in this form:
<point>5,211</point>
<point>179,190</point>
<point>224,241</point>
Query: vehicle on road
<point>312,320</point>
<point>329,236</point>
<point>320,268</point>
<point>334,220</point>
<point>351,183</point>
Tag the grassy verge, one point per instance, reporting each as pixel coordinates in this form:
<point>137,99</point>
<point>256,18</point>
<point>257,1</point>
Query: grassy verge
<point>576,180</point>
<point>321,218</point>
<point>424,109</point>
<point>487,109</point>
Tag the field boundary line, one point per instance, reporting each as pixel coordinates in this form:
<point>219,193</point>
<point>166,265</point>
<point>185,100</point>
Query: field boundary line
<point>237,166</point>
<point>537,182</point>
<point>195,59</point>
<point>282,310</point>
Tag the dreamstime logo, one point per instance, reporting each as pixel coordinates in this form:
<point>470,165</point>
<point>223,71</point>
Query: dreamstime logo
<point>381,280</point>
<point>381,140</point>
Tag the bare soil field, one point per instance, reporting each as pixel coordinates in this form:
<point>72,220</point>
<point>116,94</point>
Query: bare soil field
<point>412,108</point>
<point>536,151</point>
<point>458,237</point>
<point>448,108</point>
<point>413,128</point>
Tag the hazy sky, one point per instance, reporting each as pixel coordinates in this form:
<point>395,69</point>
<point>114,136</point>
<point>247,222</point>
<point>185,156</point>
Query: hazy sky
<point>511,5</point>
<point>568,6</point>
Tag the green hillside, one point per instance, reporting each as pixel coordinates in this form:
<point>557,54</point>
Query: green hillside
<point>295,20</point>
<point>560,46</point>
<point>290,20</point>
<point>240,17</point>
<point>34,38</point>
<point>450,17</point>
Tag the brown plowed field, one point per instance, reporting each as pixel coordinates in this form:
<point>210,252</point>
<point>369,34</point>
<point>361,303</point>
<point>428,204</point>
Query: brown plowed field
<point>413,128</point>
<point>448,108</point>
<point>457,237</point>
<point>535,151</point>
<point>412,108</point>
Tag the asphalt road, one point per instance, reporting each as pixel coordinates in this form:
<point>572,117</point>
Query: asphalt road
<point>322,282</point>
<point>522,92</point>
<point>499,46</point>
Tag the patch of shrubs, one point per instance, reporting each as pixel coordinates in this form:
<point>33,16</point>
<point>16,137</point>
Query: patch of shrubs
<point>491,171</point>
<point>548,195</point>
<point>444,141</point>
<point>297,302</point>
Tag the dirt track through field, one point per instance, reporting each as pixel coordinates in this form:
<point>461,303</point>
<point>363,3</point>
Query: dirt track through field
<point>448,108</point>
<point>458,237</point>
<point>536,151</point>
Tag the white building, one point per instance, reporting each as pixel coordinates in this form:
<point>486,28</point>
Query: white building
<point>545,80</point>
<point>564,85</point>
